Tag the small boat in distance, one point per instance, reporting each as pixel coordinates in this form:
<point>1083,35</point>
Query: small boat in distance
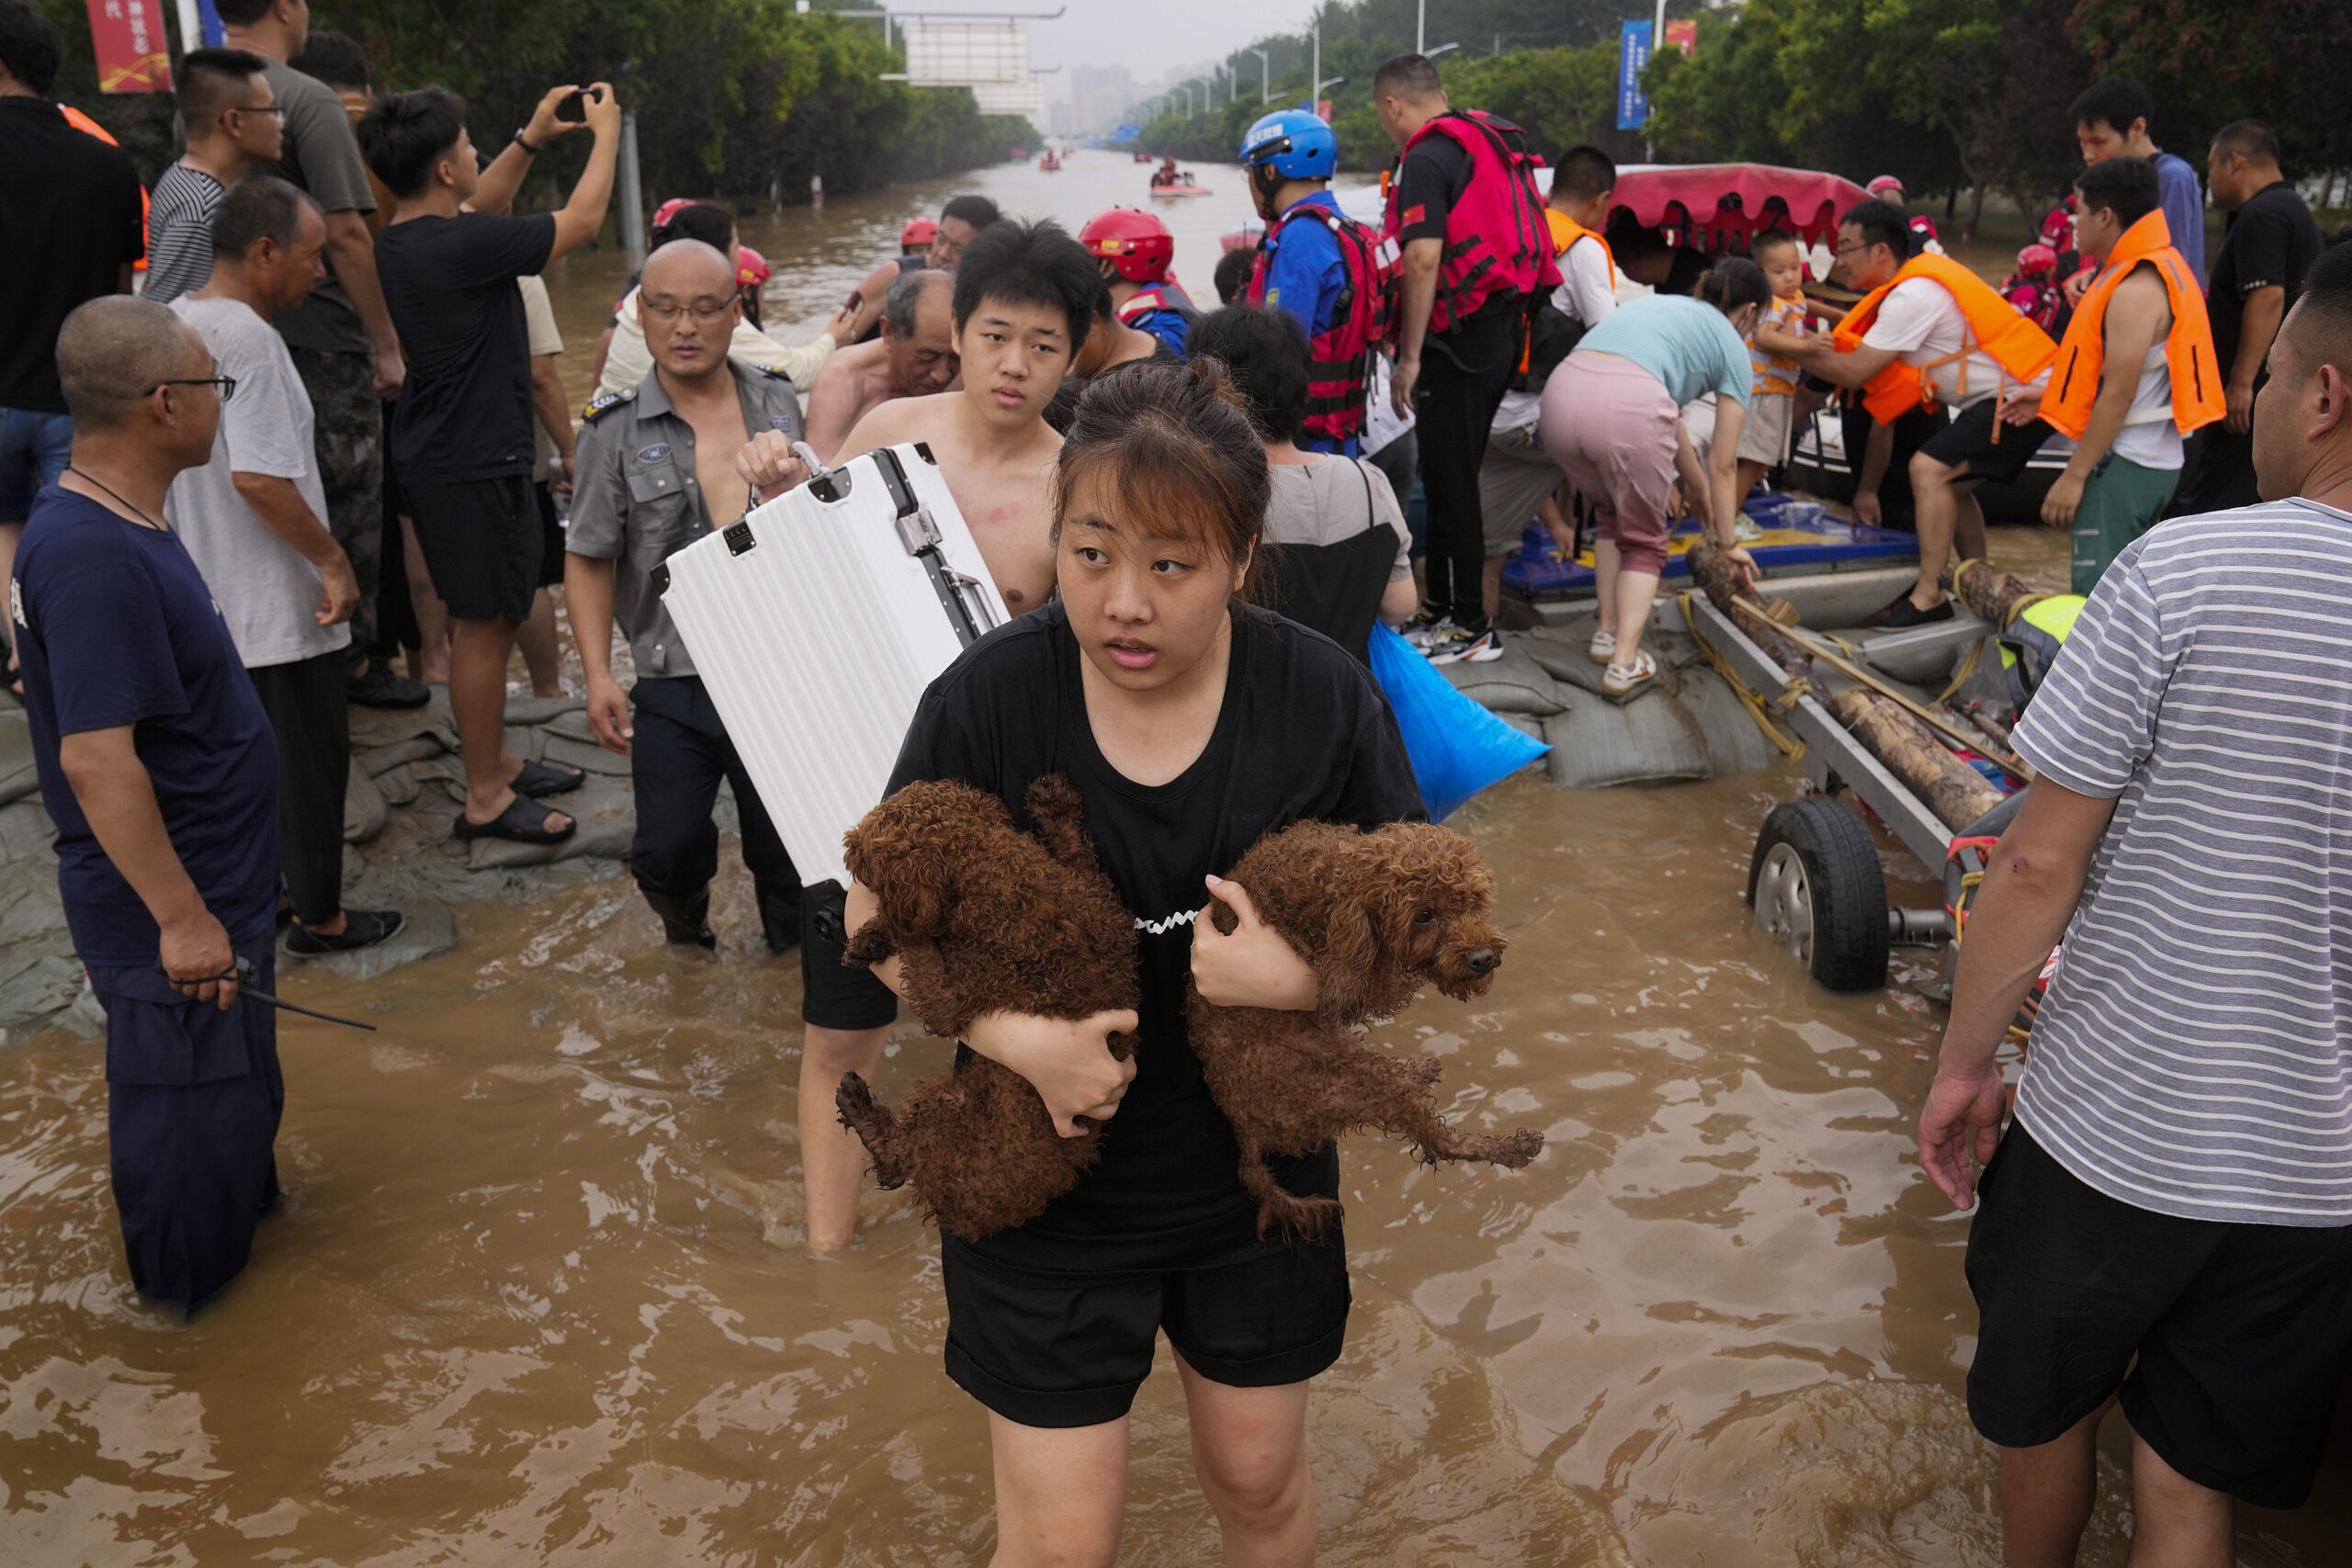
<point>1050,162</point>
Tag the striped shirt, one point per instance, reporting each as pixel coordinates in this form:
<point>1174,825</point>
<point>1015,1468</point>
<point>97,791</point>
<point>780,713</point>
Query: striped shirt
<point>179,233</point>
<point>2194,1054</point>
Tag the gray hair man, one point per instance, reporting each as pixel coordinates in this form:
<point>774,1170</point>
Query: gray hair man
<point>657,471</point>
<point>254,519</point>
<point>914,358</point>
<point>156,764</point>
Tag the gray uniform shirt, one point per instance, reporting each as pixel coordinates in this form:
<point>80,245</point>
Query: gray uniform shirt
<point>635,501</point>
<point>321,155</point>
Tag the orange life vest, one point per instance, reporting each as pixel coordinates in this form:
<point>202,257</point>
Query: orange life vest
<point>89,126</point>
<point>2196,392</point>
<point>2021,349</point>
<point>1567,232</point>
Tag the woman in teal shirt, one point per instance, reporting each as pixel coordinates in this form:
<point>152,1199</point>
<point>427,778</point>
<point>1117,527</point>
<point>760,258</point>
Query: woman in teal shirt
<point>1613,416</point>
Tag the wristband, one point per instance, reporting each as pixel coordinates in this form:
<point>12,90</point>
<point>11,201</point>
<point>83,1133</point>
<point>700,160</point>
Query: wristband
<point>528,150</point>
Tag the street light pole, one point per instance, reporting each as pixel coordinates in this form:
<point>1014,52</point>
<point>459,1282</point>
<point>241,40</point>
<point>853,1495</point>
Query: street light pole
<point>1421,24</point>
<point>1265,89</point>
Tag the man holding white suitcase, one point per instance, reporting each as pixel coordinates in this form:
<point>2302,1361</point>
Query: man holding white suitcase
<point>656,472</point>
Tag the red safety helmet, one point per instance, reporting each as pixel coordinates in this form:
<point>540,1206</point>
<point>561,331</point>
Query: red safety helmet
<point>751,267</point>
<point>1137,243</point>
<point>670,209</point>
<point>918,235</point>
<point>2037,258</point>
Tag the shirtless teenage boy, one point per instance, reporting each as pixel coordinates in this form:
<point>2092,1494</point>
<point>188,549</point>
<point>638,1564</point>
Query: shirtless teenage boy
<point>914,356</point>
<point>1024,302</point>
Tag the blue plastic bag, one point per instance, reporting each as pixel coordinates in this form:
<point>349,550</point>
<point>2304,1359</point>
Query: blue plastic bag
<point>1457,748</point>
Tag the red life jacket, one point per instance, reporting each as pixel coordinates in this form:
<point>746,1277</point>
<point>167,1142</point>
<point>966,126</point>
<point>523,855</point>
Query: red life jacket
<point>1339,364</point>
<point>1496,240</point>
<point>1167,294</point>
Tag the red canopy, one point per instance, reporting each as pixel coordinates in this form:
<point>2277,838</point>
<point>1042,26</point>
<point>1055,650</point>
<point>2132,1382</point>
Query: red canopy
<point>1721,206</point>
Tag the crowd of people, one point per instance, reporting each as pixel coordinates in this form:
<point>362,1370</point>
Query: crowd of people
<point>329,427</point>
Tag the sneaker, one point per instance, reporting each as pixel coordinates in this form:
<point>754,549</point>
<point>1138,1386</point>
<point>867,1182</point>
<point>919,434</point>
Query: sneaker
<point>1460,647</point>
<point>1746,532</point>
<point>380,687</point>
<point>1424,628</point>
<point>361,927</point>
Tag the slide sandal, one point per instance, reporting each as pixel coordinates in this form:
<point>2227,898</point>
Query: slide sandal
<point>520,823</point>
<point>539,780</point>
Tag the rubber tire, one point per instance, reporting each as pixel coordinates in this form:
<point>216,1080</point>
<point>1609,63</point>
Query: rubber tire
<point>1847,889</point>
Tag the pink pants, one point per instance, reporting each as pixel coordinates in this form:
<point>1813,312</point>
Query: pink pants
<point>1611,425</point>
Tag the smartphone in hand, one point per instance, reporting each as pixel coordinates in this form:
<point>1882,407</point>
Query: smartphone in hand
<point>573,109</point>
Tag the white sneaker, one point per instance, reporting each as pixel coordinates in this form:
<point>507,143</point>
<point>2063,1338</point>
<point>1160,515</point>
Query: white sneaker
<point>1459,647</point>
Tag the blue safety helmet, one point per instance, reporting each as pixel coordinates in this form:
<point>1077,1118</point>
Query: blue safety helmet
<point>1295,143</point>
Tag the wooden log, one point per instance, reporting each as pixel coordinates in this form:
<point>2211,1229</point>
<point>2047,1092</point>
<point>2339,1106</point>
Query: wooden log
<point>1953,790</point>
<point>1724,588</point>
<point>1992,594</point>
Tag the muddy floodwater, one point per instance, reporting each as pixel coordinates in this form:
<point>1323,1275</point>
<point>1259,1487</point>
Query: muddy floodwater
<point>539,1293</point>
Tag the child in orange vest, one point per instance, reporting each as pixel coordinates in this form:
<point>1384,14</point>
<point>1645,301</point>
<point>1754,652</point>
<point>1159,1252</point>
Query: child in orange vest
<point>1780,333</point>
<point>2135,374</point>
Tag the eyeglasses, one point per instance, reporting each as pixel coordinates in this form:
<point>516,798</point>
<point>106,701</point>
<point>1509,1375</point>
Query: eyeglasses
<point>277,109</point>
<point>224,384</point>
<point>704,312</point>
<point>1842,252</point>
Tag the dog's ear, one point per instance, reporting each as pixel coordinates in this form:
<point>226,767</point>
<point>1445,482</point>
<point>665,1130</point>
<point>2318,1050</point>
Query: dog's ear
<point>910,885</point>
<point>1350,952</point>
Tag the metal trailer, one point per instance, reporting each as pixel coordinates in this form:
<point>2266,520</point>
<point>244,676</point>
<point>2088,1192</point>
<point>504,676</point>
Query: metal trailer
<point>1815,881</point>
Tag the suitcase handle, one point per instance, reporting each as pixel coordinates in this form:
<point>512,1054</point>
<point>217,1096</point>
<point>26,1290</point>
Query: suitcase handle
<point>969,609</point>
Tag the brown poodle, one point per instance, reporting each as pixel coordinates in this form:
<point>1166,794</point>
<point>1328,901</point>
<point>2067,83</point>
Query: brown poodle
<point>1379,914</point>
<point>985,918</point>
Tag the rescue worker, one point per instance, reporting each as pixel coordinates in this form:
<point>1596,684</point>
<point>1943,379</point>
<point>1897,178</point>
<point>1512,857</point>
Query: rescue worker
<point>1475,254</point>
<point>1928,332</point>
<point>915,239</point>
<point>2143,316</point>
<point>1335,278</point>
<point>958,224</point>
<point>1133,249</point>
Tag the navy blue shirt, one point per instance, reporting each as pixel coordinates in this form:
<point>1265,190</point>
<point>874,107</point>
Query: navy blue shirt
<point>115,626</point>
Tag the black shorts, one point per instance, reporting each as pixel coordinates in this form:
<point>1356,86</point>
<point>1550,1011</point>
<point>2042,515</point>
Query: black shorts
<point>2240,1332</point>
<point>481,542</point>
<point>1968,439</point>
<point>834,994</point>
<point>550,537</point>
<point>1054,1350</point>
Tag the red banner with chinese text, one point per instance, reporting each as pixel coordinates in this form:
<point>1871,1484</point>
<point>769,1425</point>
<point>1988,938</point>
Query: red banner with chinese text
<point>128,37</point>
<point>1682,35</point>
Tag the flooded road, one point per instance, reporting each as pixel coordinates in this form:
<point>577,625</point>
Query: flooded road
<point>539,1293</point>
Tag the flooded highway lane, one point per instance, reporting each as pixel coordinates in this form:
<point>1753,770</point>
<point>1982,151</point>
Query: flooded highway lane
<point>537,1295</point>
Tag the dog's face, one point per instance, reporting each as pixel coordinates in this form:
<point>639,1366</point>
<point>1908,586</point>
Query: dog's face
<point>1420,918</point>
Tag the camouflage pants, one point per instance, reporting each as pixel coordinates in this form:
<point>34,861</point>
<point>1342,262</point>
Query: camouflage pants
<point>350,440</point>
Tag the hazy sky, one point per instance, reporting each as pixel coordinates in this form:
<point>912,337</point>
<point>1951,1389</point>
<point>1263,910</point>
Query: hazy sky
<point>1109,32</point>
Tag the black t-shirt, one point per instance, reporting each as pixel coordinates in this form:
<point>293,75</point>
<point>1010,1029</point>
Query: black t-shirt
<point>2270,242</point>
<point>1304,734</point>
<point>72,204</point>
<point>464,411</point>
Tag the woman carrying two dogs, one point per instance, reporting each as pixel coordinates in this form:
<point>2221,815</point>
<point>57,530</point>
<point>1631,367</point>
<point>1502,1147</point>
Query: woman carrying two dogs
<point>1191,724</point>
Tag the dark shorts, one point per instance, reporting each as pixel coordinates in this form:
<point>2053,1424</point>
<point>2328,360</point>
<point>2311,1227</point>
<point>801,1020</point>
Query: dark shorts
<point>550,537</point>
<point>2228,1341</point>
<point>832,994</point>
<point>1054,1350</point>
<point>1968,439</point>
<point>482,542</point>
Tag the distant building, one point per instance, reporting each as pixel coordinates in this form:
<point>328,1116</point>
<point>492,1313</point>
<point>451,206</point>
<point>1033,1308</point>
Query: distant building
<point>1100,97</point>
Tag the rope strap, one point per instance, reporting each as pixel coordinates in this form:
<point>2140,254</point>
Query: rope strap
<point>1790,746</point>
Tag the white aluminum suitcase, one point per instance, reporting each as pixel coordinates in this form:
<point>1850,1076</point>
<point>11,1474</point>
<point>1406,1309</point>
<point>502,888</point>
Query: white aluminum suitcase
<point>816,621</point>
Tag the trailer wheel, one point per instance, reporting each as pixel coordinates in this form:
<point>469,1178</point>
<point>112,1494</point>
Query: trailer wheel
<point>1815,884</point>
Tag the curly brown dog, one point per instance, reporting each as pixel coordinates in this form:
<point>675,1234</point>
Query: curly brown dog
<point>984,918</point>
<point>1379,914</point>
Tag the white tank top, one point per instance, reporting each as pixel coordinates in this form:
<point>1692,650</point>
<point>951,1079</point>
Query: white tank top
<point>2149,437</point>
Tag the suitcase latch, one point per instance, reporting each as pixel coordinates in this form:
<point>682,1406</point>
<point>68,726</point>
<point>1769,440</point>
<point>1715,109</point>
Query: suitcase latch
<point>739,537</point>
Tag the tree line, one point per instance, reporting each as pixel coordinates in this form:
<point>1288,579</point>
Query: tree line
<point>1952,94</point>
<point>742,99</point>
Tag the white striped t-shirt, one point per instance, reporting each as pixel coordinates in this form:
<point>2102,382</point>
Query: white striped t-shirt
<point>2194,1054</point>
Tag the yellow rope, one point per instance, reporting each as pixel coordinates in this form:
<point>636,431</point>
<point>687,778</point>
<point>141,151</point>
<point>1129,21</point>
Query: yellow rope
<point>1791,747</point>
<point>1967,668</point>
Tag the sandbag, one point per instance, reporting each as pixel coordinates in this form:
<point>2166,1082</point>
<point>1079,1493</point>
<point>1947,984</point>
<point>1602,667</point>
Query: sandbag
<point>1726,728</point>
<point>1650,739</point>
<point>1457,748</point>
<point>1513,683</point>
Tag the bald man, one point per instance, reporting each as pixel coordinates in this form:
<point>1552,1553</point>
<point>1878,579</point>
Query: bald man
<point>656,472</point>
<point>914,358</point>
<point>156,764</point>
